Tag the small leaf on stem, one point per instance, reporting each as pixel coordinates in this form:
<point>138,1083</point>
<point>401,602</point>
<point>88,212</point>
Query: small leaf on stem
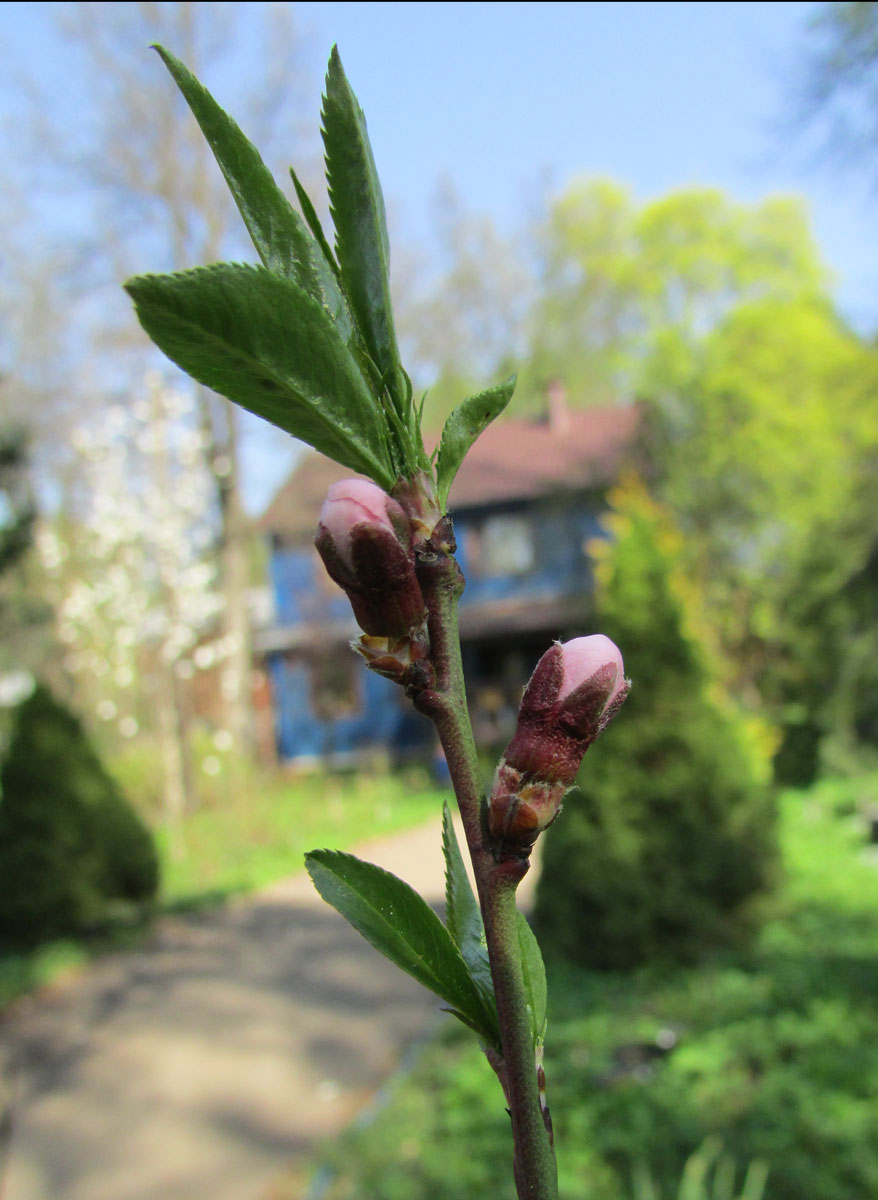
<point>462,914</point>
<point>468,420</point>
<point>398,922</point>
<point>534,972</point>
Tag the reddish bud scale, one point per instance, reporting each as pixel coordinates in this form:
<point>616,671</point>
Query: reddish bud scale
<point>404,660</point>
<point>519,810</point>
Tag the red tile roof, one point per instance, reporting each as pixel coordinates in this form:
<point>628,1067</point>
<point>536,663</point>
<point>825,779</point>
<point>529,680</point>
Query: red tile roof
<point>520,460</point>
<point>513,460</point>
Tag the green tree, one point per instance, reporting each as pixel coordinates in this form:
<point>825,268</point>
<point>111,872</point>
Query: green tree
<point>24,616</point>
<point>17,511</point>
<point>672,832</point>
<point>626,289</point>
<point>69,842</point>
<point>765,445</point>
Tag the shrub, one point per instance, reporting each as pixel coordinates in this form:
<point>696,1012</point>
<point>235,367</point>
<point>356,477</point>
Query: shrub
<point>672,832</point>
<point>69,841</point>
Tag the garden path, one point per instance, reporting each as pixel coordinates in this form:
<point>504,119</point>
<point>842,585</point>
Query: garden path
<point>217,1055</point>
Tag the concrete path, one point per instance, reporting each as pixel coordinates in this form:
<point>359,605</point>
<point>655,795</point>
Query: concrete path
<point>216,1056</point>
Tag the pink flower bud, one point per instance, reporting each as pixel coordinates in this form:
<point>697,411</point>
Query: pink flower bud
<point>365,541</point>
<point>583,658</point>
<point>575,691</point>
<point>355,502</point>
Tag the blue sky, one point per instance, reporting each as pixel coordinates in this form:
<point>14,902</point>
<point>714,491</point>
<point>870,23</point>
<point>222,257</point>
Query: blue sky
<point>503,98</point>
<point>510,101</point>
<point>507,99</point>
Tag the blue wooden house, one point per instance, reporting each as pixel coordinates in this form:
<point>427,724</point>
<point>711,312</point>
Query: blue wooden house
<point>526,504</point>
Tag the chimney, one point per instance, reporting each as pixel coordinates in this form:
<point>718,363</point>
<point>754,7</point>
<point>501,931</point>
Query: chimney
<point>556,407</point>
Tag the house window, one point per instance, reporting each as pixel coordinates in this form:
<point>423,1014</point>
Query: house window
<point>503,545</point>
<point>334,692</point>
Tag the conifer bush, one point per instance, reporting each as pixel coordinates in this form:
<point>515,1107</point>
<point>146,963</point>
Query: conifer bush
<point>70,844</point>
<point>671,834</point>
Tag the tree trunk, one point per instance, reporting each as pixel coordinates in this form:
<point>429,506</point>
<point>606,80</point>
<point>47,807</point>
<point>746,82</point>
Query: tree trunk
<point>173,755</point>
<point>234,574</point>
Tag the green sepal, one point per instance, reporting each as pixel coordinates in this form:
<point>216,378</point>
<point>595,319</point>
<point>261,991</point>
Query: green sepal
<point>462,913</point>
<point>279,234</point>
<point>260,340</point>
<point>397,921</point>
<point>534,972</point>
<point>468,420</point>
<point>361,241</point>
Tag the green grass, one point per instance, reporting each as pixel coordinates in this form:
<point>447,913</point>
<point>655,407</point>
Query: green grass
<point>776,1057</point>
<point>244,835</point>
<point>20,972</point>
<point>260,832</point>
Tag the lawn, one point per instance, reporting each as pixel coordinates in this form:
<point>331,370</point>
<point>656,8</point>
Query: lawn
<point>772,1052</point>
<point>261,831</point>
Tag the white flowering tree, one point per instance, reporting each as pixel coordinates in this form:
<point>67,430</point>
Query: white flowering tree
<point>134,574</point>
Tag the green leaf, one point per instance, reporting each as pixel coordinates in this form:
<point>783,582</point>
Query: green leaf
<point>313,221</point>
<point>534,979</point>
<point>757,1178</point>
<point>468,420</point>
<point>462,914</point>
<point>399,923</point>
<point>361,240</point>
<point>258,339</point>
<point>280,236</point>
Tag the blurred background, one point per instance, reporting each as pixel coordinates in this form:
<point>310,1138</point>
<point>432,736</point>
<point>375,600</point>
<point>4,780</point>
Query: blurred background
<point>662,215</point>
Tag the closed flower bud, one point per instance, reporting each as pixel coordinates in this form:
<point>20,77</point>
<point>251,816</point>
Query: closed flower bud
<point>576,689</point>
<point>365,541</point>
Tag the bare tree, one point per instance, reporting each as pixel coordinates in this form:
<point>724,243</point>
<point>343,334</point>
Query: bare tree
<point>140,169</point>
<point>838,88</point>
<point>462,313</point>
<point>132,580</point>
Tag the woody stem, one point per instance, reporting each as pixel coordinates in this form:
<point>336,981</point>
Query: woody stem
<point>534,1158</point>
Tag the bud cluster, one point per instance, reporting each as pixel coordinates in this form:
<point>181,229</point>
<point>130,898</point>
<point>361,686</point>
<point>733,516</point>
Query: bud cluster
<point>368,543</point>
<point>576,689</point>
